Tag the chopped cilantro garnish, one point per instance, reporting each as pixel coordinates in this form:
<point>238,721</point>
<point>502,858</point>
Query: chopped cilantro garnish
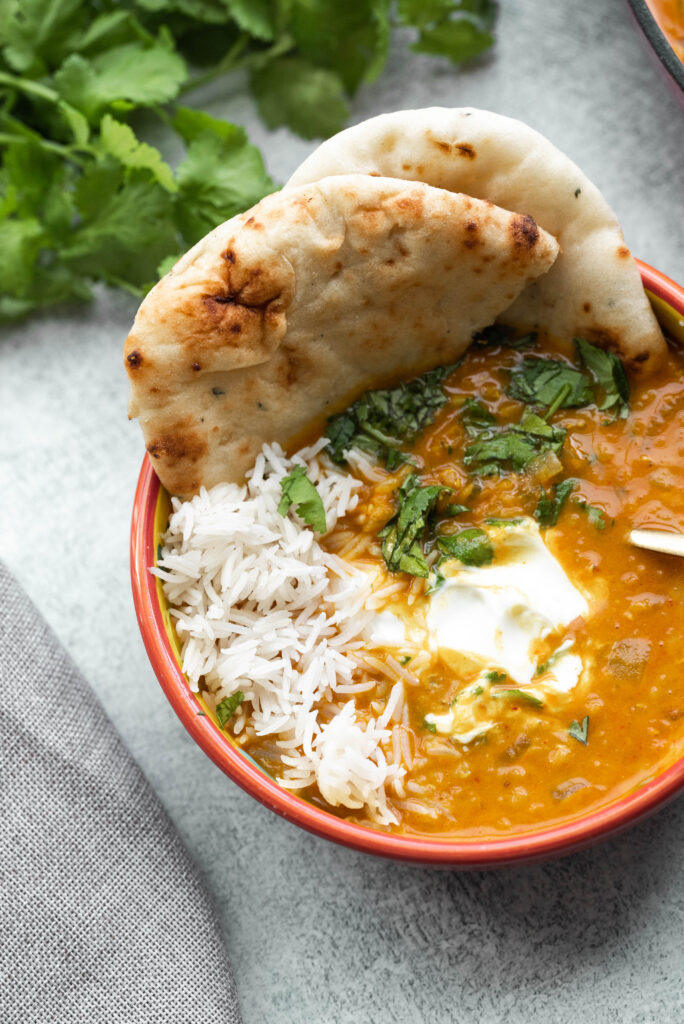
<point>498,334</point>
<point>521,695</point>
<point>226,708</point>
<point>500,521</point>
<point>496,677</point>
<point>552,659</point>
<point>609,374</point>
<point>475,416</point>
<point>595,515</point>
<point>437,582</point>
<point>541,382</point>
<point>550,505</point>
<point>299,491</point>
<point>380,421</point>
<point>477,691</point>
<point>402,537</point>
<point>430,726</point>
<point>471,546</point>
<point>405,660</point>
<point>516,446</point>
<point>580,732</point>
<point>455,510</point>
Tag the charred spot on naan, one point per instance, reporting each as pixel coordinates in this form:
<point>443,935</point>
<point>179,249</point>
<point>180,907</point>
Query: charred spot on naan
<point>612,341</point>
<point>463,149</point>
<point>524,232</point>
<point>181,447</point>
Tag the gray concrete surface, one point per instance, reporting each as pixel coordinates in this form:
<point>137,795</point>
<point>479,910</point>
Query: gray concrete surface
<point>318,934</point>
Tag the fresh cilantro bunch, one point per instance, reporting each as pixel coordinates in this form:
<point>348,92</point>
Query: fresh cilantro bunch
<point>83,196</point>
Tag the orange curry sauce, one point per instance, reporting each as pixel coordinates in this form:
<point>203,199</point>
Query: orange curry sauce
<point>528,769</point>
<point>669,15</point>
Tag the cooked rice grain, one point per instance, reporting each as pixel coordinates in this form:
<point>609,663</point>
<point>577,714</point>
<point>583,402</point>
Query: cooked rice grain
<point>260,607</point>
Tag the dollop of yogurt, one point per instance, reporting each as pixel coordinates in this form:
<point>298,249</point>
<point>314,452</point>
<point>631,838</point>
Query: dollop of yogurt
<point>497,612</point>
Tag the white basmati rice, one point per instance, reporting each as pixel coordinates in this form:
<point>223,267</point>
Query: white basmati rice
<point>260,607</point>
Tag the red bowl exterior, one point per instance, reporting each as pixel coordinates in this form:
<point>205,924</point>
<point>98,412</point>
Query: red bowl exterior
<point>541,844</point>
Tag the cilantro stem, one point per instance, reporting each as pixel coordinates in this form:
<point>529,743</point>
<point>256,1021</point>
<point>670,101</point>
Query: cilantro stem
<point>562,393</point>
<point>232,61</point>
<point>227,63</point>
<point>120,282</point>
<point>67,152</point>
<point>29,87</point>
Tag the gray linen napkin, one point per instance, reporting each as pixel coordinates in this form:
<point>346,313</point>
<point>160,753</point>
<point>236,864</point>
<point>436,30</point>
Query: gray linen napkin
<point>102,914</point>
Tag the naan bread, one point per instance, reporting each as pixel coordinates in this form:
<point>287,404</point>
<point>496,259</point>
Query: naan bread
<point>594,289</point>
<point>286,313</point>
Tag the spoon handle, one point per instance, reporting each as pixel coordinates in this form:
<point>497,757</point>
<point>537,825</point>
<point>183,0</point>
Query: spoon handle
<point>658,540</point>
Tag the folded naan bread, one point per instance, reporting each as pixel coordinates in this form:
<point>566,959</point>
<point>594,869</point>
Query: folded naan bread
<point>594,289</point>
<point>285,314</point>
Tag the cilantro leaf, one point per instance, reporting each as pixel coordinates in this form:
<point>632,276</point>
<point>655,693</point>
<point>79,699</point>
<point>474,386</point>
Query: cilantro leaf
<point>457,29</point>
<point>471,546</point>
<point>258,17</point>
<point>516,446</point>
<point>119,140</point>
<point>499,334</point>
<point>347,38</point>
<point>595,515</point>
<point>299,491</point>
<point>132,73</point>
<point>475,416</point>
<point>541,381</point>
<point>226,708</point>
<point>125,227</point>
<point>496,677</point>
<point>580,732</point>
<point>222,174</point>
<point>34,32</point>
<point>501,521</point>
<point>379,421</point>
<point>403,535</point>
<point>609,374</point>
<point>549,506</point>
<point>559,653</point>
<point>430,726</point>
<point>522,695</point>
<point>308,99</point>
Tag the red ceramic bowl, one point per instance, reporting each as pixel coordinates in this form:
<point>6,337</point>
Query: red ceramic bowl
<point>150,515</point>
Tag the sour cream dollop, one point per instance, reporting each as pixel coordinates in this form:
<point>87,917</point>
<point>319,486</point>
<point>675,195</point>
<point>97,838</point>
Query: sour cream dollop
<point>497,612</point>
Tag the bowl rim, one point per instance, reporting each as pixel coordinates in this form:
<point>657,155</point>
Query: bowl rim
<point>658,41</point>
<point>477,852</point>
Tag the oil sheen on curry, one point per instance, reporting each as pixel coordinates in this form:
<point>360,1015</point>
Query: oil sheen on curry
<point>541,652</point>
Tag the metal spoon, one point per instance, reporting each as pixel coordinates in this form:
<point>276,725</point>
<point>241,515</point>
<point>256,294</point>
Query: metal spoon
<point>658,540</point>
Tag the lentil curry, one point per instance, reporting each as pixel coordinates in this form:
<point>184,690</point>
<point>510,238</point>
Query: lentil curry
<point>544,439</point>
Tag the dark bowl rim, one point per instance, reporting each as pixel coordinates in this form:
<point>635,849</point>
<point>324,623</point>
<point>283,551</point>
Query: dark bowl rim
<point>658,40</point>
<point>534,845</point>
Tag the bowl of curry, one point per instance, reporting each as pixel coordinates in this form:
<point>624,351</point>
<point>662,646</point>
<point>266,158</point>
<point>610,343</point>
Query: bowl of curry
<point>501,772</point>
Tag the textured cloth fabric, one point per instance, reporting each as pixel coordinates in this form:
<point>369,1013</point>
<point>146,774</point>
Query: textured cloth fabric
<point>102,914</point>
